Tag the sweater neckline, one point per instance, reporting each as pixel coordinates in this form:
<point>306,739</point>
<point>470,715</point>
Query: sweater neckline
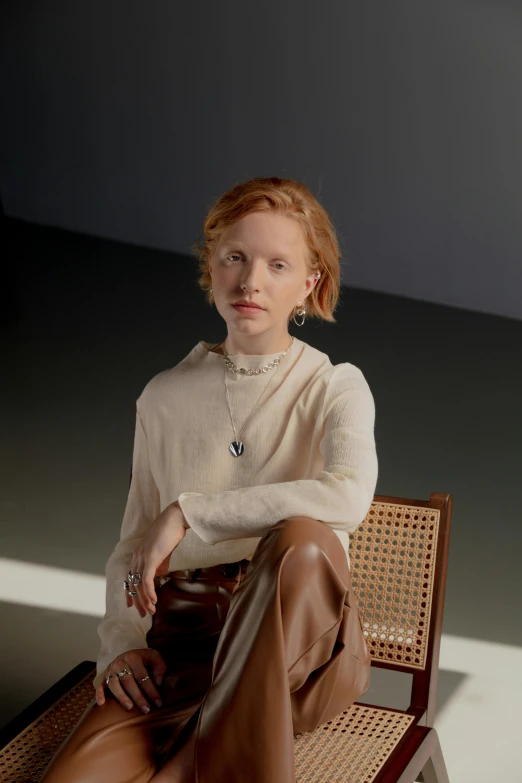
<point>205,347</point>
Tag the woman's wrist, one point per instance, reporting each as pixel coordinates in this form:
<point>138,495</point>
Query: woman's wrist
<point>176,505</point>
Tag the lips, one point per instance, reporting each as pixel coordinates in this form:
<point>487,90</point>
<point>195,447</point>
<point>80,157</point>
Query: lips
<point>252,306</point>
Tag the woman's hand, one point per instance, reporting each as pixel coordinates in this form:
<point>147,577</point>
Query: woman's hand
<point>128,688</point>
<point>152,556</point>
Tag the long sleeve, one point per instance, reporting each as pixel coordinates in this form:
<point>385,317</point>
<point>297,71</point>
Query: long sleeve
<point>340,495</point>
<point>122,628</point>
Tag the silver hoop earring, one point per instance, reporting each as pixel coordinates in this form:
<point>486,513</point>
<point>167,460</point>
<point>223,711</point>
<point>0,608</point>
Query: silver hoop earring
<point>301,311</point>
<point>302,307</point>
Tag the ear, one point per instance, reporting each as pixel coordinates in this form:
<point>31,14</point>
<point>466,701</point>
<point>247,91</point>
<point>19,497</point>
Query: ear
<point>310,283</point>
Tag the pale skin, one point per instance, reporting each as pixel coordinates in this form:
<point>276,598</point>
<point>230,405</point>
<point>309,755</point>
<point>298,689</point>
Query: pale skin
<point>261,258</point>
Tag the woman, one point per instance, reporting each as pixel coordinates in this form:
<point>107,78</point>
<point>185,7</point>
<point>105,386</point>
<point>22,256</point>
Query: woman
<point>231,621</point>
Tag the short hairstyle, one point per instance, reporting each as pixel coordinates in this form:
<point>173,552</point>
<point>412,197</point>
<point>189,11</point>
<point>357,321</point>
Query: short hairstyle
<point>294,200</point>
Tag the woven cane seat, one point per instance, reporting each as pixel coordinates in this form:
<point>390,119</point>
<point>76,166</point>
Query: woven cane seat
<point>352,747</point>
<point>24,759</point>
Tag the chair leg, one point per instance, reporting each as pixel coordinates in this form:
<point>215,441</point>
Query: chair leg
<point>434,771</point>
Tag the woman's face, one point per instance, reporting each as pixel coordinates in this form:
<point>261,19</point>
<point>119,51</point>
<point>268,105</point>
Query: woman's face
<point>260,258</point>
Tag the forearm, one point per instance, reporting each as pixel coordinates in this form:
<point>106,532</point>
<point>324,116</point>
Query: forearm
<point>176,506</point>
<point>340,501</point>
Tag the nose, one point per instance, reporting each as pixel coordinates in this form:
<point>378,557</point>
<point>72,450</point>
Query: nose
<point>251,277</point>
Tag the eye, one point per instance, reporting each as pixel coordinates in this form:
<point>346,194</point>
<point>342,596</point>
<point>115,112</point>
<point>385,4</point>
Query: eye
<point>237,255</point>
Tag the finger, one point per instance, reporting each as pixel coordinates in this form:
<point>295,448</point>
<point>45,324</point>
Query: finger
<point>136,601</point>
<point>157,664</point>
<point>117,691</point>
<point>100,695</point>
<point>143,594</point>
<point>129,684</point>
<point>143,598</point>
<point>140,600</point>
<point>133,600</point>
<point>146,684</point>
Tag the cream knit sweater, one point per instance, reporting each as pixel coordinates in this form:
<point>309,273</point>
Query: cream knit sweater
<point>309,449</point>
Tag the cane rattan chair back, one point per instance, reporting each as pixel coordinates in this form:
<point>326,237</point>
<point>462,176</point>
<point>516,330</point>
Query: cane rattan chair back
<point>398,560</point>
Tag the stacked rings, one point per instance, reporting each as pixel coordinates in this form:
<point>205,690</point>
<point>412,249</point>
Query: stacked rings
<point>117,676</point>
<point>126,587</point>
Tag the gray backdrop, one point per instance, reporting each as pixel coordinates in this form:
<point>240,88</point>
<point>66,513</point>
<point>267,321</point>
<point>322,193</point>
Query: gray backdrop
<point>127,119</point>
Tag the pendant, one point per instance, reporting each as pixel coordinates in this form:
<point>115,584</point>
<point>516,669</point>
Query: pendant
<point>237,448</point>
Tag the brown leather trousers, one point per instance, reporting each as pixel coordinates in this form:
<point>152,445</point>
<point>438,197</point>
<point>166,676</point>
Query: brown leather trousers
<point>255,652</point>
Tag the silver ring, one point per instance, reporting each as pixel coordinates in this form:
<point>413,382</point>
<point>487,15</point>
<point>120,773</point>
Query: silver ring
<point>110,677</point>
<point>126,585</point>
<point>135,579</point>
<point>133,593</point>
<point>145,678</point>
<point>124,672</point>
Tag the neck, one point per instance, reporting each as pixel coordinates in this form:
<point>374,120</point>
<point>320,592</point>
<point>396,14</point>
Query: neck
<point>261,347</point>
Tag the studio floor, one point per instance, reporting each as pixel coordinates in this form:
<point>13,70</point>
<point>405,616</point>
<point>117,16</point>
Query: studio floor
<point>87,322</point>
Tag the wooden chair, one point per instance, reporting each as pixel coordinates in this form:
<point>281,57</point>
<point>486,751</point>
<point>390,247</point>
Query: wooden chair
<point>398,560</point>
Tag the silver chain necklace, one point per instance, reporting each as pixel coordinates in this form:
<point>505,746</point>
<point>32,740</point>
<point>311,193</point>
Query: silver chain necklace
<point>237,447</point>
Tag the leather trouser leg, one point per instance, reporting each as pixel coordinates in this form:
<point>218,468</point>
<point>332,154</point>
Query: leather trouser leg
<point>112,745</point>
<point>291,656</point>
<point>252,657</point>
